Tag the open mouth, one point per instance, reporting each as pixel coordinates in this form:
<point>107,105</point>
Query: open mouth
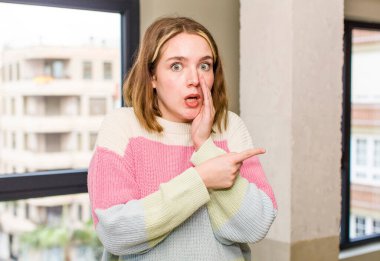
<point>192,100</point>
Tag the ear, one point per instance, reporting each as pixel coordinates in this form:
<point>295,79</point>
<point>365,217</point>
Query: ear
<point>154,81</point>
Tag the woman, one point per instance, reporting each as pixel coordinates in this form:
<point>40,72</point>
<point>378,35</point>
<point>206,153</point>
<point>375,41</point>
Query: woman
<point>175,176</point>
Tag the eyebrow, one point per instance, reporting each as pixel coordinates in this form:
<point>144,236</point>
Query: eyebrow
<point>182,58</point>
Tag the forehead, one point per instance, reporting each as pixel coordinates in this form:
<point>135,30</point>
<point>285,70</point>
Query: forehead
<point>186,45</point>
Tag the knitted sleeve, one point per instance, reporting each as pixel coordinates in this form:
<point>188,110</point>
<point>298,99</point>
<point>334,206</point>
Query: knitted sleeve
<point>124,222</point>
<point>245,212</point>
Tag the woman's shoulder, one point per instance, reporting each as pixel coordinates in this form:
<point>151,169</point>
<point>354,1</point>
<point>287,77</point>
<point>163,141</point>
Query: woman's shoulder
<point>116,128</point>
<point>234,121</point>
<point>119,118</point>
<point>120,114</point>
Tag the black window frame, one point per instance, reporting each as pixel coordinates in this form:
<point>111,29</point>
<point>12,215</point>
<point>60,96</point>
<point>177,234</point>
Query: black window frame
<point>345,241</point>
<point>61,182</point>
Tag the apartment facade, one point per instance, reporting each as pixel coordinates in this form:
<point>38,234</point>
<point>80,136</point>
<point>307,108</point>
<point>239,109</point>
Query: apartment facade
<point>52,102</point>
<point>365,135</point>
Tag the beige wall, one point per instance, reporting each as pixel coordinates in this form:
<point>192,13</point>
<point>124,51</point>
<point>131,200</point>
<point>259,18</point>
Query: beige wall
<point>290,98</point>
<point>221,17</point>
<point>362,10</point>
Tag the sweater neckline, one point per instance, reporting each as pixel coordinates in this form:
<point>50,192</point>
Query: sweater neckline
<point>174,127</point>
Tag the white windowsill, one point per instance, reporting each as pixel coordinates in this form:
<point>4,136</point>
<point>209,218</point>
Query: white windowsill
<point>359,251</point>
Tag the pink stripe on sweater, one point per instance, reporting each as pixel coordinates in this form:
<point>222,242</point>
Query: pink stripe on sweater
<point>109,180</point>
<point>253,172</point>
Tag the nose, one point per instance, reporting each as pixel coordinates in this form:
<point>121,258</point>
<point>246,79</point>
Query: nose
<point>193,78</point>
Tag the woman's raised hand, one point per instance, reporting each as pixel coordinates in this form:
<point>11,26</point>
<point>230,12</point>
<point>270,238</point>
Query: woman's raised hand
<point>202,124</point>
<point>221,172</point>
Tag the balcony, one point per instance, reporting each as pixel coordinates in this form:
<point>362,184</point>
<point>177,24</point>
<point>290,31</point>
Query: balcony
<point>44,86</point>
<point>47,160</point>
<point>51,124</point>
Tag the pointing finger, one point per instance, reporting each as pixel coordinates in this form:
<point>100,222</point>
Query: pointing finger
<point>241,156</point>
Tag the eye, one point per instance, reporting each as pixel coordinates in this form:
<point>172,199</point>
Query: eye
<point>176,67</point>
<point>205,66</point>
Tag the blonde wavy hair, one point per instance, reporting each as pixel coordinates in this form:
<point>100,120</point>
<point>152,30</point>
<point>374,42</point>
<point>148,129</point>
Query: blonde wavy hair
<point>137,88</point>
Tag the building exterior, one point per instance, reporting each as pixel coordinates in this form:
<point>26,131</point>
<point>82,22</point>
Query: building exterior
<point>52,101</point>
<point>365,135</point>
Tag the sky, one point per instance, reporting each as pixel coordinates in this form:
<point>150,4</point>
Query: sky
<point>25,25</point>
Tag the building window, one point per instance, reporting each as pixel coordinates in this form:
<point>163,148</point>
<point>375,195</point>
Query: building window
<point>376,153</point>
<point>3,74</point>
<point>361,175</point>
<point>14,140</point>
<point>54,215</point>
<point>54,69</point>
<point>18,71</point>
<point>92,141</point>
<point>79,142</point>
<point>97,106</point>
<point>10,74</point>
<point>27,211</point>
<point>361,143</point>
<point>87,70</point>
<point>376,226</point>
<point>53,142</point>
<point>361,152</point>
<point>13,106</point>
<point>107,70</point>
<point>52,105</point>
<point>80,212</point>
<point>360,223</point>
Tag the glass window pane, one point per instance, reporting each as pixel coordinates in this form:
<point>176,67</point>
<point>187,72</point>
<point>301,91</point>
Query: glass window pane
<point>107,70</point>
<point>49,228</point>
<point>365,134</point>
<point>52,87</point>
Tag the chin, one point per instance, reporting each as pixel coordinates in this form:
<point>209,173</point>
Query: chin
<point>191,115</point>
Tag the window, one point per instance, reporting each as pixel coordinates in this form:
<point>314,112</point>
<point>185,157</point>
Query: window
<point>52,105</point>
<point>361,175</point>
<point>361,152</point>
<point>54,68</point>
<point>360,223</point>
<point>13,106</point>
<point>2,73</point>
<point>14,142</point>
<point>87,70</point>
<point>64,181</point>
<point>53,142</point>
<point>376,226</point>
<point>92,141</point>
<point>18,71</point>
<point>53,215</point>
<point>80,212</point>
<point>98,106</point>
<point>10,75</point>
<point>107,70</point>
<point>376,153</point>
<point>361,142</point>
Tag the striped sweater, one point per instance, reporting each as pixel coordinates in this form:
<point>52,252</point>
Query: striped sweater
<point>149,203</point>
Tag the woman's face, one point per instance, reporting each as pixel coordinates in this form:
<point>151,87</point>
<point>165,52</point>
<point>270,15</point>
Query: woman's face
<point>185,59</point>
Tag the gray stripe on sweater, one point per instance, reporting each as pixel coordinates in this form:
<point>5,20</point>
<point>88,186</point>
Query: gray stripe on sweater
<point>121,228</point>
<point>253,220</point>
